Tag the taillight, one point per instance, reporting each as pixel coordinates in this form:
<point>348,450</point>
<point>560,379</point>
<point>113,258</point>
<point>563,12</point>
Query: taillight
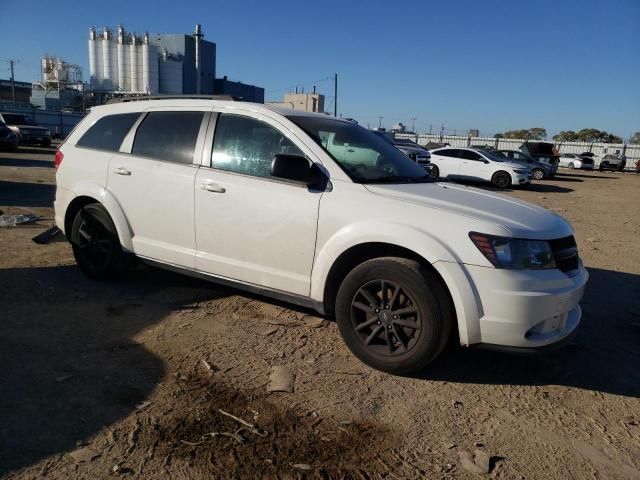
<point>58,159</point>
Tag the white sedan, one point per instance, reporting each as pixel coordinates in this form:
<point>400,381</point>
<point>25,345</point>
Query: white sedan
<point>458,163</point>
<point>571,161</point>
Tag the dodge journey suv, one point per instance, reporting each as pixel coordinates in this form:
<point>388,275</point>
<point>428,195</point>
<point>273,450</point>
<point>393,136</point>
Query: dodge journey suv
<point>277,202</point>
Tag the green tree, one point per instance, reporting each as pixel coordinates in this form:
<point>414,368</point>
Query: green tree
<point>501,135</point>
<point>595,135</point>
<point>535,133</point>
<point>565,136</point>
<point>635,138</point>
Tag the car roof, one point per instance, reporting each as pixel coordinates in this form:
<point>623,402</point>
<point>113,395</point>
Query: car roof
<point>136,104</point>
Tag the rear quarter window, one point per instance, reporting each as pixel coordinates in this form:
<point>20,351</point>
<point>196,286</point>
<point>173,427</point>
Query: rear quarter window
<point>108,132</point>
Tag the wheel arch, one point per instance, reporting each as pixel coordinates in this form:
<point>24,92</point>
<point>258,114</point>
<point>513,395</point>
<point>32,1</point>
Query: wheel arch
<point>359,253</point>
<point>110,204</point>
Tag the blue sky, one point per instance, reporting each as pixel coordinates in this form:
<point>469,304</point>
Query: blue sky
<point>561,65</point>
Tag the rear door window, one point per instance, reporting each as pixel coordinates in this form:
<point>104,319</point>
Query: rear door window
<point>169,136</point>
<point>108,132</point>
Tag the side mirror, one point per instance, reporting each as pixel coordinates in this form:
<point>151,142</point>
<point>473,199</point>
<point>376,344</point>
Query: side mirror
<point>291,167</point>
<point>486,161</point>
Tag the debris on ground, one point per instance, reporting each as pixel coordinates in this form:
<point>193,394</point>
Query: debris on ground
<point>312,322</point>
<point>281,379</point>
<point>13,220</point>
<point>84,455</point>
<point>303,466</point>
<point>479,463</point>
<point>63,378</point>
<point>47,235</point>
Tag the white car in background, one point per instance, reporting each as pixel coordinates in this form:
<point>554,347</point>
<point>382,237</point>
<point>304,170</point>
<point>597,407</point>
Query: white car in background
<point>458,163</point>
<point>573,160</point>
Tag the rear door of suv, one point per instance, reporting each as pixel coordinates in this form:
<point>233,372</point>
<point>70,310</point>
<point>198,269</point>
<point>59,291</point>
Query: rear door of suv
<point>252,227</point>
<point>152,178</point>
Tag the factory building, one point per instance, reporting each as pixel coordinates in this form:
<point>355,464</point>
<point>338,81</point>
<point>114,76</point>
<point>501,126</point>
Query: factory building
<point>242,91</point>
<point>130,64</point>
<point>308,102</point>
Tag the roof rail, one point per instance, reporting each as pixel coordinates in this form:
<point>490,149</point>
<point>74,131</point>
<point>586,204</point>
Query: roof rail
<point>172,97</point>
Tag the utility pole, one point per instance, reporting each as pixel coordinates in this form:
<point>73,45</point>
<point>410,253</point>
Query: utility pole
<point>335,94</point>
<point>413,124</point>
<point>13,83</point>
<point>380,124</point>
<point>430,127</point>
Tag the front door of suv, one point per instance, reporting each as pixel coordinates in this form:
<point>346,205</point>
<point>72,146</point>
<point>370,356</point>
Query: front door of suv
<point>152,179</point>
<point>251,227</point>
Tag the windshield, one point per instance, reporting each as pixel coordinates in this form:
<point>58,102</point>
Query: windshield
<point>363,155</point>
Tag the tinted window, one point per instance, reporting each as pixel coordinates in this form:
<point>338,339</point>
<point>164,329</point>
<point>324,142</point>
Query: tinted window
<point>469,155</point>
<point>108,132</point>
<point>168,136</point>
<point>245,145</point>
<point>15,119</point>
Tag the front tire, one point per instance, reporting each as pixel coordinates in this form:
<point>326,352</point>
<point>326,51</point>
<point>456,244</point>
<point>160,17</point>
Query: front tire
<point>538,174</point>
<point>394,314</point>
<point>571,166</point>
<point>501,180</point>
<point>435,172</point>
<point>95,243</point>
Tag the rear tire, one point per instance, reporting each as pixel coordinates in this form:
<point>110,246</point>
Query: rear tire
<point>538,174</point>
<point>95,243</point>
<point>413,321</point>
<point>501,180</point>
<point>571,166</point>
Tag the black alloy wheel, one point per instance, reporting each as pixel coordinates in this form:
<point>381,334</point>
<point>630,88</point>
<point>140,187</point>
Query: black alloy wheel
<point>385,318</point>
<point>501,180</point>
<point>95,242</point>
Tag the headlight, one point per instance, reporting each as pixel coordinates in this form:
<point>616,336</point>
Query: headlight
<point>514,253</point>
<point>520,172</point>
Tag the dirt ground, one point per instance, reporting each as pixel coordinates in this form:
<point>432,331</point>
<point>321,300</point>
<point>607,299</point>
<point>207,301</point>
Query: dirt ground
<point>132,371</point>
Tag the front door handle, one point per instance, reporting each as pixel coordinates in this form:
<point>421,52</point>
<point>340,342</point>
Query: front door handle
<point>212,187</point>
<point>122,171</point>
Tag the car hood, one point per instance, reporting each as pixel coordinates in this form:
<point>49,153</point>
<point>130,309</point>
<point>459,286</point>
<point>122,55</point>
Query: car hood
<point>521,219</point>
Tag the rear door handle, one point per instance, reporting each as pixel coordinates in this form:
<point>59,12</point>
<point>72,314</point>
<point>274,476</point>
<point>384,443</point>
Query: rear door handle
<point>122,171</point>
<point>212,187</point>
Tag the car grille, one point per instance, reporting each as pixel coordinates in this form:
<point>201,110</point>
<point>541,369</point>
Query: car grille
<point>422,159</point>
<point>565,253</point>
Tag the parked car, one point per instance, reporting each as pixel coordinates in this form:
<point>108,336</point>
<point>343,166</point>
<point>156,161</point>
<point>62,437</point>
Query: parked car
<point>573,160</point>
<point>8,138</point>
<point>411,149</point>
<point>26,129</point>
<point>638,166</point>
<point>475,164</point>
<point>612,161</point>
<point>539,170</point>
<point>544,152</point>
<point>433,145</point>
<point>274,201</point>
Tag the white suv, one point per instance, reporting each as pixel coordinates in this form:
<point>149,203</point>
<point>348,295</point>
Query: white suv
<point>278,202</point>
<point>458,163</point>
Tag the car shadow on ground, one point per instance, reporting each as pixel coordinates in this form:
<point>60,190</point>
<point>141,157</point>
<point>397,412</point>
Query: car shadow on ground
<point>70,363</point>
<point>23,194</point>
<point>603,357</point>
<point>25,162</point>
<point>564,176</point>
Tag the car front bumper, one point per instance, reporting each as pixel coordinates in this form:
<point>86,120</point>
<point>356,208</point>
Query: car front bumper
<point>527,308</point>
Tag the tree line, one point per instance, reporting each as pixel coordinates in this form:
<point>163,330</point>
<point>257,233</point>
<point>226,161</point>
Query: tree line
<point>584,135</point>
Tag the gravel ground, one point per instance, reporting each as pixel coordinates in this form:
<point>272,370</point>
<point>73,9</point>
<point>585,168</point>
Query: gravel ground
<point>101,380</point>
